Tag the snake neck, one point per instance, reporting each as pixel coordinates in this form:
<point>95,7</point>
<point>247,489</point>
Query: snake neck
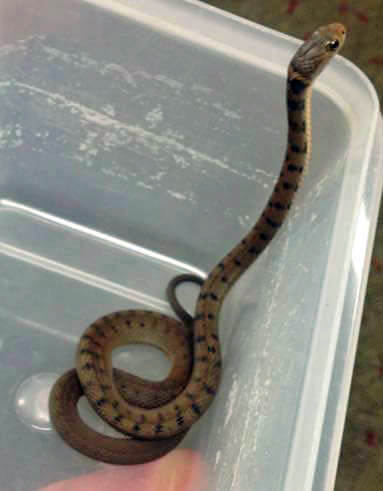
<point>230,268</point>
<point>297,156</point>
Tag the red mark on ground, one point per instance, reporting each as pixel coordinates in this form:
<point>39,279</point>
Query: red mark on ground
<point>344,7</point>
<point>361,16</point>
<point>377,264</point>
<point>293,4</point>
<point>376,60</point>
<point>371,439</point>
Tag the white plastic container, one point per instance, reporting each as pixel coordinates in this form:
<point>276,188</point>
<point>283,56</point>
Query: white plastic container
<point>142,139</point>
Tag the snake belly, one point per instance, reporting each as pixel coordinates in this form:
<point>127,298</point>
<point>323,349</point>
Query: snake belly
<point>155,416</point>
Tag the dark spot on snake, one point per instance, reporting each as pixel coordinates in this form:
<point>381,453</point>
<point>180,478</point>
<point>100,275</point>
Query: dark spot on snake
<point>128,323</point>
<point>115,404</point>
<point>118,418</point>
<point>203,296</point>
<point>272,223</point>
<point>218,364</point>
<point>92,340</point>
<point>223,279</point>
<point>279,206</point>
<point>295,148</point>
<point>180,420</point>
<point>209,390</point>
<point>196,409</point>
<point>142,324</point>
<point>201,359</point>
<point>298,128</point>
<point>199,317</point>
<point>105,387</point>
<point>99,331</point>
<point>210,316</point>
<point>190,396</point>
<point>101,402</point>
<point>213,296</point>
<point>237,262</point>
<point>253,250</point>
<point>264,236</point>
<point>297,86</point>
<point>158,428</point>
<point>294,168</point>
<point>211,349</point>
<point>288,185</point>
<point>295,105</point>
<point>136,428</point>
<point>221,265</point>
<point>88,366</point>
<point>243,241</point>
<point>214,336</point>
<point>200,339</point>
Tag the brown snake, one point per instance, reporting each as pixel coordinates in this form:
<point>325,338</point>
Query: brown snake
<point>157,415</point>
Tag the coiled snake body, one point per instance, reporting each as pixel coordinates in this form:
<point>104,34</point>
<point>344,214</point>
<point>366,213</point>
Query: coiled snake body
<point>156,415</point>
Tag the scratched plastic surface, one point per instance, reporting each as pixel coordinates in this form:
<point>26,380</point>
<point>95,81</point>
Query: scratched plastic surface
<point>138,142</point>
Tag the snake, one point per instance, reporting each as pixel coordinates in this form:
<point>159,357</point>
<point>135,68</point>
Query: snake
<point>154,416</point>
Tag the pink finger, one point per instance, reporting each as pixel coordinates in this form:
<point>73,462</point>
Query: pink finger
<point>181,470</point>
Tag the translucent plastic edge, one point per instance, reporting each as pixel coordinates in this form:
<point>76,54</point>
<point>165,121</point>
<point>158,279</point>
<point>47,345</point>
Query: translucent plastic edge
<point>174,18</point>
<point>308,429</point>
<point>349,345</point>
<point>100,236</point>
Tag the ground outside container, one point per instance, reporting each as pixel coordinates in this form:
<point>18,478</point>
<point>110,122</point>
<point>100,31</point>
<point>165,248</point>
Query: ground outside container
<point>142,139</point>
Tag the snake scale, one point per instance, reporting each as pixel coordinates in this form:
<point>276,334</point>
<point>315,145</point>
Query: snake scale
<point>156,415</point>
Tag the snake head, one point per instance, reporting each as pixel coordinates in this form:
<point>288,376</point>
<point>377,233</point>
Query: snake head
<point>318,50</point>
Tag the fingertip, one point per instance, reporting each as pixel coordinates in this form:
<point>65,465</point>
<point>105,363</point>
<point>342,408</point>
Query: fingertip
<point>180,470</point>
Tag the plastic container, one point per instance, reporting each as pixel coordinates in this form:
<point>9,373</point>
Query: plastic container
<point>142,139</point>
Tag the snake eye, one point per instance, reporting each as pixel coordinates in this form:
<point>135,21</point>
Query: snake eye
<point>333,45</point>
